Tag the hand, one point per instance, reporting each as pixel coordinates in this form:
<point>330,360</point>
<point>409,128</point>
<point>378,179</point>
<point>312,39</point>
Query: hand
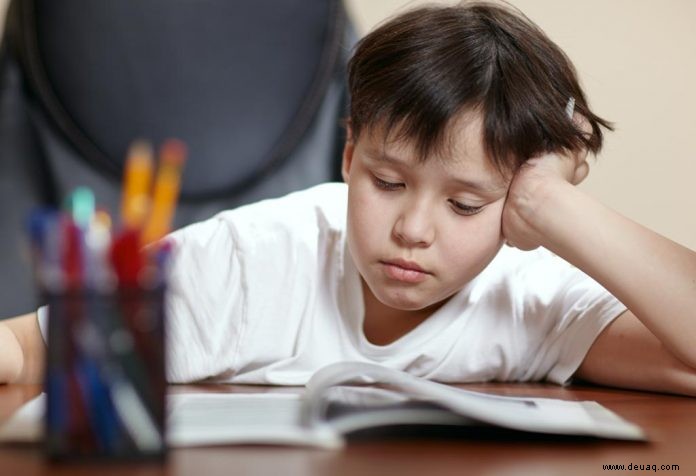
<point>535,185</point>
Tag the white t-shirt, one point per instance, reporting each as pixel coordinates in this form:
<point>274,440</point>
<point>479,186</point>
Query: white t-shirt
<point>268,293</point>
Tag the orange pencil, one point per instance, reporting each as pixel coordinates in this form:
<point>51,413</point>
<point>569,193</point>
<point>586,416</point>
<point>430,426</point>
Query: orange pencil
<point>136,185</point>
<point>166,191</point>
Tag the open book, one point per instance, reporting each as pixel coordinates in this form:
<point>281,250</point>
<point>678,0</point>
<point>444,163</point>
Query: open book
<point>329,409</point>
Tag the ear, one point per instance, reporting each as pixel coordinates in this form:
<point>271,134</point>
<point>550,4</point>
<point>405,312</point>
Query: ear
<point>348,149</point>
<point>582,168</point>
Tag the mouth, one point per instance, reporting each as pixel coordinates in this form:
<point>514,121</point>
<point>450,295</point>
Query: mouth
<point>404,271</point>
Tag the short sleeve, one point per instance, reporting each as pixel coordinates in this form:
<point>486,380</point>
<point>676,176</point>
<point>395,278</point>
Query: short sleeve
<point>564,312</point>
<point>42,318</point>
<point>205,301</point>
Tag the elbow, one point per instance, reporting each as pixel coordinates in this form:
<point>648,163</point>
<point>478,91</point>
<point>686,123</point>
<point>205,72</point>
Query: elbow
<point>681,378</point>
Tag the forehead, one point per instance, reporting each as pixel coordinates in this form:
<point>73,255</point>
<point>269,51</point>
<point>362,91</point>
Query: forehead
<point>461,153</point>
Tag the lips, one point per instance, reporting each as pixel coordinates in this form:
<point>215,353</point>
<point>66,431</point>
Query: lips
<point>409,265</point>
<point>404,271</point>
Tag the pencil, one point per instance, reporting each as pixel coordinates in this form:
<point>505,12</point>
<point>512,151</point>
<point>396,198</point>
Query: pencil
<point>136,185</point>
<point>166,191</point>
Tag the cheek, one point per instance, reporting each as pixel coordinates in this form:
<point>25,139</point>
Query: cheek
<point>489,229</point>
<point>361,218</point>
<point>367,210</point>
<point>476,242</point>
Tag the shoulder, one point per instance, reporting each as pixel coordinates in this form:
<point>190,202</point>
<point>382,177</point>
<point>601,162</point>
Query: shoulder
<point>326,198</point>
<point>536,272</point>
<point>543,288</point>
<point>555,311</point>
<point>510,258</point>
<point>293,215</point>
<point>234,274</point>
<point>287,225</point>
<point>321,205</point>
<point>269,242</point>
<point>524,272</point>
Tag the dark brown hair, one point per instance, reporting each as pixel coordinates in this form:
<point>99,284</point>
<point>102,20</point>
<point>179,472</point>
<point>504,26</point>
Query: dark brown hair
<point>419,70</point>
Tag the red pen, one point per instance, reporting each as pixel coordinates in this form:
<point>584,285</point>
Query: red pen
<point>127,257</point>
<point>71,256</point>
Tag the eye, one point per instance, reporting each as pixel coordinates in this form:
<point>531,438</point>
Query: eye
<point>461,209</point>
<point>388,186</point>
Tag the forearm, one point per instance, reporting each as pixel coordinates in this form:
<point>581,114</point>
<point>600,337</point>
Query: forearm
<point>21,350</point>
<point>10,355</point>
<point>652,275</point>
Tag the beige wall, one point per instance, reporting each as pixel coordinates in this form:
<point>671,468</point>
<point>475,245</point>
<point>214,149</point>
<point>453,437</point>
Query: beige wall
<point>637,61</point>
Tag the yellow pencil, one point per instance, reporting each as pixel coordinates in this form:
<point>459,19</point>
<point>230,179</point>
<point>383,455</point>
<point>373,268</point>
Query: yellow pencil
<point>166,191</point>
<point>135,200</point>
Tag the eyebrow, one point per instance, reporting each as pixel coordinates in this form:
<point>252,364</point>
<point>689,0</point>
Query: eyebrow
<point>483,187</point>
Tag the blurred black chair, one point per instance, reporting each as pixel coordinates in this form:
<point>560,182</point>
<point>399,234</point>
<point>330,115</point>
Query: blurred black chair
<point>255,89</point>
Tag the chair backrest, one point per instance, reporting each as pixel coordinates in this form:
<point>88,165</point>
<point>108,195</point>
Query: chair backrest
<point>255,89</point>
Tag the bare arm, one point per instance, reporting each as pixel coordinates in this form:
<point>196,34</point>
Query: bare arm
<point>651,346</point>
<point>653,276</point>
<point>626,354</point>
<point>21,350</point>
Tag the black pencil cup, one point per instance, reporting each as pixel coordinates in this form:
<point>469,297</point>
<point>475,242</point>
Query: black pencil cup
<point>105,380</point>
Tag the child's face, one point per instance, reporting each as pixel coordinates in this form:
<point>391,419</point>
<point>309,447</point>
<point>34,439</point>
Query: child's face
<point>419,232</point>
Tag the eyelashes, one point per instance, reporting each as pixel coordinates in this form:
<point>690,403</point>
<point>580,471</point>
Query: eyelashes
<point>458,207</point>
<point>388,186</point>
<point>463,209</point>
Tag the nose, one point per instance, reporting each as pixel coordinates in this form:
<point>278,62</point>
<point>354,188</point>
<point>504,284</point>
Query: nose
<point>415,225</point>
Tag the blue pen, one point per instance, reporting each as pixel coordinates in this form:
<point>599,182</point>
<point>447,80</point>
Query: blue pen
<point>47,242</point>
<point>44,228</point>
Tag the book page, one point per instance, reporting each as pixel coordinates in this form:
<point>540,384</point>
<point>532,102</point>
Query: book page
<point>204,419</point>
<point>526,414</point>
<point>197,419</point>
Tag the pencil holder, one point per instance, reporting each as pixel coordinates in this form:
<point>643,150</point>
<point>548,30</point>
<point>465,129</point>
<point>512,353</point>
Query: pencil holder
<point>104,372</point>
<point>105,379</point>
<point>105,291</point>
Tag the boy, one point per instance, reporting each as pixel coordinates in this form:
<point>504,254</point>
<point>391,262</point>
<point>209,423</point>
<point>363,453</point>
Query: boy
<point>459,250</point>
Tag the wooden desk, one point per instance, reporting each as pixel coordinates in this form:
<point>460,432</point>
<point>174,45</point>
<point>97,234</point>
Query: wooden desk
<point>670,422</point>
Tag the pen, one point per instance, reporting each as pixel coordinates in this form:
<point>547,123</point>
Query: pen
<point>45,248</point>
<point>72,256</point>
<point>103,376</point>
<point>81,206</point>
<point>98,271</point>
<point>127,258</point>
<point>166,191</point>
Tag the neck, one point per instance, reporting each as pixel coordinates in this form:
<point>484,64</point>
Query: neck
<point>383,325</point>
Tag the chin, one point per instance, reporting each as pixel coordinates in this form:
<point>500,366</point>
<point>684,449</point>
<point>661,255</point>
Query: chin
<point>402,301</point>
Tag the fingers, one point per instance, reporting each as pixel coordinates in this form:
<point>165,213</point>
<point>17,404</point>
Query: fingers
<point>572,166</point>
<point>567,166</point>
<point>520,246</point>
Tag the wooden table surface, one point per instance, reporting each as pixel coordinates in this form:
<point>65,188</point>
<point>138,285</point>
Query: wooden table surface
<point>670,422</point>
